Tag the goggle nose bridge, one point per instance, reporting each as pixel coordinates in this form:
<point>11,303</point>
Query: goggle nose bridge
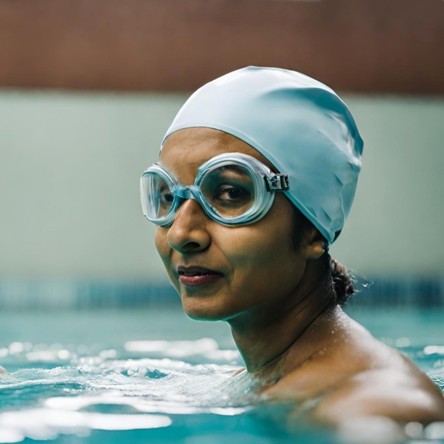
<point>187,192</point>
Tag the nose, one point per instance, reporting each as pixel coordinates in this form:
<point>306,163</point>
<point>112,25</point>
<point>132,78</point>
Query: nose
<point>188,233</point>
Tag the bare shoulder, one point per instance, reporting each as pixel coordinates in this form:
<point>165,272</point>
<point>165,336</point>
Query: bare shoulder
<point>401,395</point>
<point>353,375</point>
<point>390,385</point>
<point>380,383</point>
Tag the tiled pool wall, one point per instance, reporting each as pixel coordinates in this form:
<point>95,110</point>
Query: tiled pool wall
<point>25,294</point>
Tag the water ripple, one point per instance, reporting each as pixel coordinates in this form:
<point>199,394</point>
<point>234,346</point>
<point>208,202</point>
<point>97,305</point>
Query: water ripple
<point>56,390</point>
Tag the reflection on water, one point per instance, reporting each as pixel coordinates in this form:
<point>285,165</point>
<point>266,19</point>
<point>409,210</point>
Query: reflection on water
<point>167,391</point>
<point>180,388</point>
<point>59,390</point>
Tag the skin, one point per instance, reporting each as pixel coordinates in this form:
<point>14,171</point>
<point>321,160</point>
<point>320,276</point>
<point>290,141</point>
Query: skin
<point>294,341</point>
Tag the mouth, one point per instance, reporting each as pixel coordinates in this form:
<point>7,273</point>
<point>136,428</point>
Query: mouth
<point>192,276</point>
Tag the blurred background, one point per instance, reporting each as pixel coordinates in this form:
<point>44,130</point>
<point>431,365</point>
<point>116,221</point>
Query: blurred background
<point>88,87</point>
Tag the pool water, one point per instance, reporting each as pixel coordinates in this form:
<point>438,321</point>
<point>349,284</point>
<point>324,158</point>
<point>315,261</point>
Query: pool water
<point>154,376</point>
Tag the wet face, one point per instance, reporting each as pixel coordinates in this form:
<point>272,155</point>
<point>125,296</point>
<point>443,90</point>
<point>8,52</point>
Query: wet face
<point>220,272</point>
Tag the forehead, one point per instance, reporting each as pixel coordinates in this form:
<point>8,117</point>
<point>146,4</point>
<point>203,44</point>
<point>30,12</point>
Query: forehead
<point>185,150</point>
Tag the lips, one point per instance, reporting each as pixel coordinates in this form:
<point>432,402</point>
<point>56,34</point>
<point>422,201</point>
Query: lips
<point>192,276</point>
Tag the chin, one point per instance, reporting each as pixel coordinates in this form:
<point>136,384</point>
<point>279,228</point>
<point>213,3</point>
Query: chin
<point>200,313</point>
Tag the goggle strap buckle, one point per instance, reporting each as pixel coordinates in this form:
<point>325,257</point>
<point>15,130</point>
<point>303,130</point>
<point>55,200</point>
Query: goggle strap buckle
<point>277,182</point>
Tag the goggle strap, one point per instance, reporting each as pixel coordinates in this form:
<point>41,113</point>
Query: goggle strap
<point>277,182</point>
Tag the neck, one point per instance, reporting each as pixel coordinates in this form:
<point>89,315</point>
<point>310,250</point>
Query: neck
<point>264,336</point>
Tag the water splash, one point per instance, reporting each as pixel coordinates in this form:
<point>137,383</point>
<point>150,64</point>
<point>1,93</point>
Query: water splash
<point>149,387</point>
<point>86,389</point>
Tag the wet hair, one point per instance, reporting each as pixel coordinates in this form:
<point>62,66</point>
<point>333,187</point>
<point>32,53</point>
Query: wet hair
<point>335,276</point>
<point>343,281</point>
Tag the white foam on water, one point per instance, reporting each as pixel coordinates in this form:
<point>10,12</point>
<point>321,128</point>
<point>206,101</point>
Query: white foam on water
<point>103,389</point>
<point>43,423</point>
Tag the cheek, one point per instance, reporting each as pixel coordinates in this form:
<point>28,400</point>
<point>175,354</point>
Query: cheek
<point>266,252</point>
<point>164,250</point>
<point>261,249</point>
<point>160,240</point>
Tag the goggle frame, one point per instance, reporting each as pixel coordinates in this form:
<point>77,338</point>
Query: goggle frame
<point>266,183</point>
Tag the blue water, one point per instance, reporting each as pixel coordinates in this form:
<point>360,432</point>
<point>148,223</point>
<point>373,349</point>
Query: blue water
<point>153,376</point>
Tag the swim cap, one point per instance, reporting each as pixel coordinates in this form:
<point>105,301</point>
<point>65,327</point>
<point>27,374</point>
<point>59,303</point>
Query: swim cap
<point>299,124</point>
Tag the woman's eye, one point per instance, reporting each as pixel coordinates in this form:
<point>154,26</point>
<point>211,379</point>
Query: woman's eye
<point>166,198</point>
<point>230,193</point>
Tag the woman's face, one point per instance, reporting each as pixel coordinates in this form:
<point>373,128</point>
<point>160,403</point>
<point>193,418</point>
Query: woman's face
<point>220,272</point>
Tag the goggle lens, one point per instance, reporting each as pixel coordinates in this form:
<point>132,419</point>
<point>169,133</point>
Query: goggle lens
<point>158,196</point>
<point>229,190</point>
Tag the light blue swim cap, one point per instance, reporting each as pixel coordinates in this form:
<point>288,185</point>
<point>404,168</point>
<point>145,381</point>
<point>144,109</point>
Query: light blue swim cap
<point>299,124</point>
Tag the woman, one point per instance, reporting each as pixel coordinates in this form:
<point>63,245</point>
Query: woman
<point>256,176</point>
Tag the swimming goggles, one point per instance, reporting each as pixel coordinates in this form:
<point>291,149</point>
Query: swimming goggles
<point>232,189</point>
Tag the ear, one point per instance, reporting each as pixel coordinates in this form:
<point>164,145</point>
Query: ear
<point>315,244</point>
